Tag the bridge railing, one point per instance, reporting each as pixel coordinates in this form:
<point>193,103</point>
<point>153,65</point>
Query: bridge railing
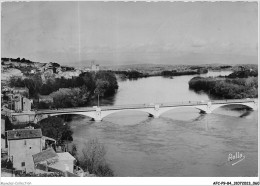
<point>184,103</point>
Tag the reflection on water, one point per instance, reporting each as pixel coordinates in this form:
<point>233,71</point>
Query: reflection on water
<point>182,142</point>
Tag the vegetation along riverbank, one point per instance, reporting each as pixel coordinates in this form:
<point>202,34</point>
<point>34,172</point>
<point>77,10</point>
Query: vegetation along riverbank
<point>242,83</point>
<point>74,92</point>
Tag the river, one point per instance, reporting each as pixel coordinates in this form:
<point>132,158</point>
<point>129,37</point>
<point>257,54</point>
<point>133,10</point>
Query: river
<point>182,142</point>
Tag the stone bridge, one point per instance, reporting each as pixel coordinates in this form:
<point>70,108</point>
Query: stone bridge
<point>154,110</point>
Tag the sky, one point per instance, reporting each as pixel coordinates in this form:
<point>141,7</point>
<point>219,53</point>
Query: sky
<point>112,33</point>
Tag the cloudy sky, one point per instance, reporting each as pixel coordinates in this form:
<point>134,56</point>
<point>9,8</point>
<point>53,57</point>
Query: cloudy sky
<point>125,33</point>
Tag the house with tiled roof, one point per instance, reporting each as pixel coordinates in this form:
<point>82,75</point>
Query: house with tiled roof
<point>22,144</point>
<point>65,162</point>
<point>49,160</point>
<point>43,159</point>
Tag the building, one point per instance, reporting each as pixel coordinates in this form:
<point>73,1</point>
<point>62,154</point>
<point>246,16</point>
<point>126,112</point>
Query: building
<point>22,144</point>
<point>65,162</point>
<point>50,66</point>
<point>27,117</point>
<point>33,71</point>
<point>94,67</point>
<point>45,99</point>
<point>69,74</point>
<point>27,104</point>
<point>18,104</point>
<point>43,159</point>
<point>21,90</point>
<point>49,160</point>
<point>21,103</point>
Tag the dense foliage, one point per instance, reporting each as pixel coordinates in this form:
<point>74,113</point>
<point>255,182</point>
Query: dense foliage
<point>132,74</point>
<point>7,164</point>
<point>244,74</point>
<point>73,92</point>
<point>33,83</point>
<point>225,87</point>
<point>55,127</point>
<point>105,83</point>
<point>66,97</point>
<point>175,73</point>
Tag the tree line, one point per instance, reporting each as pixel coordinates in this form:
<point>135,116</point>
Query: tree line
<point>132,74</point>
<point>77,91</point>
<point>238,85</point>
<point>167,73</point>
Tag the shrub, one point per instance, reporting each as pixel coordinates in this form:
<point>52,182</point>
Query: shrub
<point>8,164</point>
<point>93,159</point>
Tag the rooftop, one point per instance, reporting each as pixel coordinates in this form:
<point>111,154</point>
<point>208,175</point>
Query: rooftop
<point>65,156</point>
<point>24,134</point>
<point>48,155</point>
<point>48,138</point>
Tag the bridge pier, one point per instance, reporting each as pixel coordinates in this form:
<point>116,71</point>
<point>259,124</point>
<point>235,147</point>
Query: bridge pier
<point>156,113</point>
<point>206,109</point>
<point>98,117</point>
<point>255,106</point>
<point>209,108</point>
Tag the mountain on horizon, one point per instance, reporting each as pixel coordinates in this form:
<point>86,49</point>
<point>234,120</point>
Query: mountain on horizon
<point>189,59</point>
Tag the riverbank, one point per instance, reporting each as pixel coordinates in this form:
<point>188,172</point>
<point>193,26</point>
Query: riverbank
<point>134,74</point>
<point>240,84</point>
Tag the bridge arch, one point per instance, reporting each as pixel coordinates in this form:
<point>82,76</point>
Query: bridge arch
<point>250,105</point>
<point>40,117</point>
<point>163,110</point>
<point>106,113</point>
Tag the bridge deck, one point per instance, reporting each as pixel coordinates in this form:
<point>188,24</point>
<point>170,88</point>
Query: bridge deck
<point>142,106</point>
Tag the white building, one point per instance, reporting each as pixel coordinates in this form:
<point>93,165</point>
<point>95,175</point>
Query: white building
<point>22,144</point>
<point>65,162</point>
<point>94,67</point>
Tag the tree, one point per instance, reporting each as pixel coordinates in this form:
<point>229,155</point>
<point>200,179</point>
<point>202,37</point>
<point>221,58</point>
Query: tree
<point>54,127</point>
<point>7,164</point>
<point>101,87</point>
<point>16,82</point>
<point>61,98</point>
<point>70,97</point>
<point>226,87</point>
<point>47,88</point>
<point>106,82</point>
<point>74,150</point>
<point>93,159</point>
<point>87,79</point>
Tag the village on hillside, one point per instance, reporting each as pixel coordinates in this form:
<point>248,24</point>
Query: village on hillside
<point>25,151</point>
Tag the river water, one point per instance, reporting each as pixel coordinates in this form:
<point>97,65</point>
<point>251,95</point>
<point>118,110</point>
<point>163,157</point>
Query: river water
<point>182,142</point>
